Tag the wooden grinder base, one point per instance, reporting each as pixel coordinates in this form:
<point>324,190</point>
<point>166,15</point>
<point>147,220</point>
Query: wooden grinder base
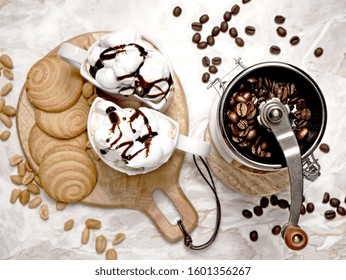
<point>118,190</point>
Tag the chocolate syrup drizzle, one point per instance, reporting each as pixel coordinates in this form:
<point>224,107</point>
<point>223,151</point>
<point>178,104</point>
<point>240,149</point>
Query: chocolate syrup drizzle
<point>142,88</point>
<point>145,139</point>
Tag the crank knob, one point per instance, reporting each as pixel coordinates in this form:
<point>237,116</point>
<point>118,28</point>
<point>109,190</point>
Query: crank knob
<point>295,238</point>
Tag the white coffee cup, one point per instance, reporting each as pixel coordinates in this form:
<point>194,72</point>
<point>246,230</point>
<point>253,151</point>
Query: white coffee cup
<point>97,116</point>
<point>78,58</point>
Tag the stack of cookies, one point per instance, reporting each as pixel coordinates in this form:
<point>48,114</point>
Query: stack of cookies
<point>58,139</point>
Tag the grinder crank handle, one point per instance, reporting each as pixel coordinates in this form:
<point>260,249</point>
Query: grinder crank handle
<point>274,116</point>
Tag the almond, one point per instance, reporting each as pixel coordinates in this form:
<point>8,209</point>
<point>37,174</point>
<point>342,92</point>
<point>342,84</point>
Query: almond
<point>21,169</point>
<point>28,177</point>
<point>87,90</point>
<point>8,73</point>
<point>2,103</point>
<point>6,89</point>
<point>6,61</point>
<point>43,211</point>
<point>33,188</point>
<point>5,135</point>
<point>16,179</point>
<point>93,224</point>
<point>100,244</point>
<point>14,195</point>
<point>111,254</point>
<point>34,203</point>
<point>60,205</point>
<point>85,235</point>
<point>16,159</point>
<point>118,238</point>
<point>9,111</point>
<point>68,225</point>
<point>24,197</point>
<point>6,120</point>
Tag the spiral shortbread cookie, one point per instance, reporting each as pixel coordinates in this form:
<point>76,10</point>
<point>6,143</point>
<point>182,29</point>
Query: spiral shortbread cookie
<point>67,173</point>
<point>53,85</point>
<point>40,142</point>
<point>66,124</point>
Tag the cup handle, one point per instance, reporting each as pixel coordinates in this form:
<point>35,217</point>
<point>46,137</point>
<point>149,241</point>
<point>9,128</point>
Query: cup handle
<point>193,146</point>
<point>72,54</point>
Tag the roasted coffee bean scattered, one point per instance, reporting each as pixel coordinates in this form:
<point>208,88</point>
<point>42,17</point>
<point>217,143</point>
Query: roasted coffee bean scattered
<point>345,200</point>
<point>274,200</point>
<point>196,38</point>
<point>224,26</point>
<point>215,31</point>
<point>275,49</point>
<point>227,16</point>
<point>302,209</point>
<point>235,9</point>
<point>210,40</point>
<point>324,148</point>
<point>281,31</point>
<point>294,40</point>
<point>341,211</point>
<point>239,41</point>
<point>253,235</point>
<point>177,11</point>
<point>247,213</point>
<point>318,52</point>
<point>245,1</point>
<point>283,203</point>
<point>233,32</point>
<point>264,202</point>
<point>205,77</point>
<point>330,214</point>
<point>202,45</point>
<point>310,207</point>
<point>197,26</point>
<point>276,230</point>
<point>250,30</point>
<point>213,69</point>
<point>326,197</point>
<point>205,61</point>
<point>204,18</point>
<point>258,210</point>
<point>334,202</point>
<point>279,19</point>
<point>216,60</point>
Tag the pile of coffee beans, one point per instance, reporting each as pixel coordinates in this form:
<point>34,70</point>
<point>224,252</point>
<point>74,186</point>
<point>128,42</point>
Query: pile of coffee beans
<point>242,108</point>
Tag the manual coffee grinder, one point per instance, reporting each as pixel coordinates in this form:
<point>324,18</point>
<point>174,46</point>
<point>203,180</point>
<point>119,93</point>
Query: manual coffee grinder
<point>266,123</point>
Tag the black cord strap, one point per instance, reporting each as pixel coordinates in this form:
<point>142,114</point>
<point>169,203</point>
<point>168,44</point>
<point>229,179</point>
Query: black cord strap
<point>210,182</point>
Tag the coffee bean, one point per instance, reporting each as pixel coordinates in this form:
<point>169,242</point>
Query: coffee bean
<point>264,202</point>
<point>302,209</point>
<point>197,26</point>
<point>279,19</point>
<point>239,41</point>
<point>224,26</point>
<point>341,211</point>
<point>301,134</point>
<point>310,207</point>
<point>205,77</point>
<point>235,9</point>
<point>216,60</point>
<point>281,31</point>
<point>177,11</point>
<point>258,210</point>
<point>329,214</point>
<point>205,61</point>
<point>294,40</point>
<point>227,16</point>
<point>245,1</point>
<point>215,31</point>
<point>242,124</point>
<point>210,40</point>
<point>276,230</point>
<point>233,32</point>
<point>196,38</point>
<point>250,30</point>
<point>305,114</point>
<point>301,104</point>
<point>283,203</point>
<point>204,18</point>
<point>253,235</point>
<point>247,213</point>
<point>326,197</point>
<point>275,49</point>
<point>274,200</point>
<point>241,109</point>
<point>345,200</point>
<point>324,148</point>
<point>334,202</point>
<point>212,69</point>
<point>251,134</point>
<point>318,52</point>
<point>233,116</point>
<point>202,45</point>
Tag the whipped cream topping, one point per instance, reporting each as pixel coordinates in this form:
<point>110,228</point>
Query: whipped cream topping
<point>136,138</point>
<point>128,64</point>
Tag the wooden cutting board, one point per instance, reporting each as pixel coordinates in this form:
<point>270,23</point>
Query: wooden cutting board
<point>118,190</point>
